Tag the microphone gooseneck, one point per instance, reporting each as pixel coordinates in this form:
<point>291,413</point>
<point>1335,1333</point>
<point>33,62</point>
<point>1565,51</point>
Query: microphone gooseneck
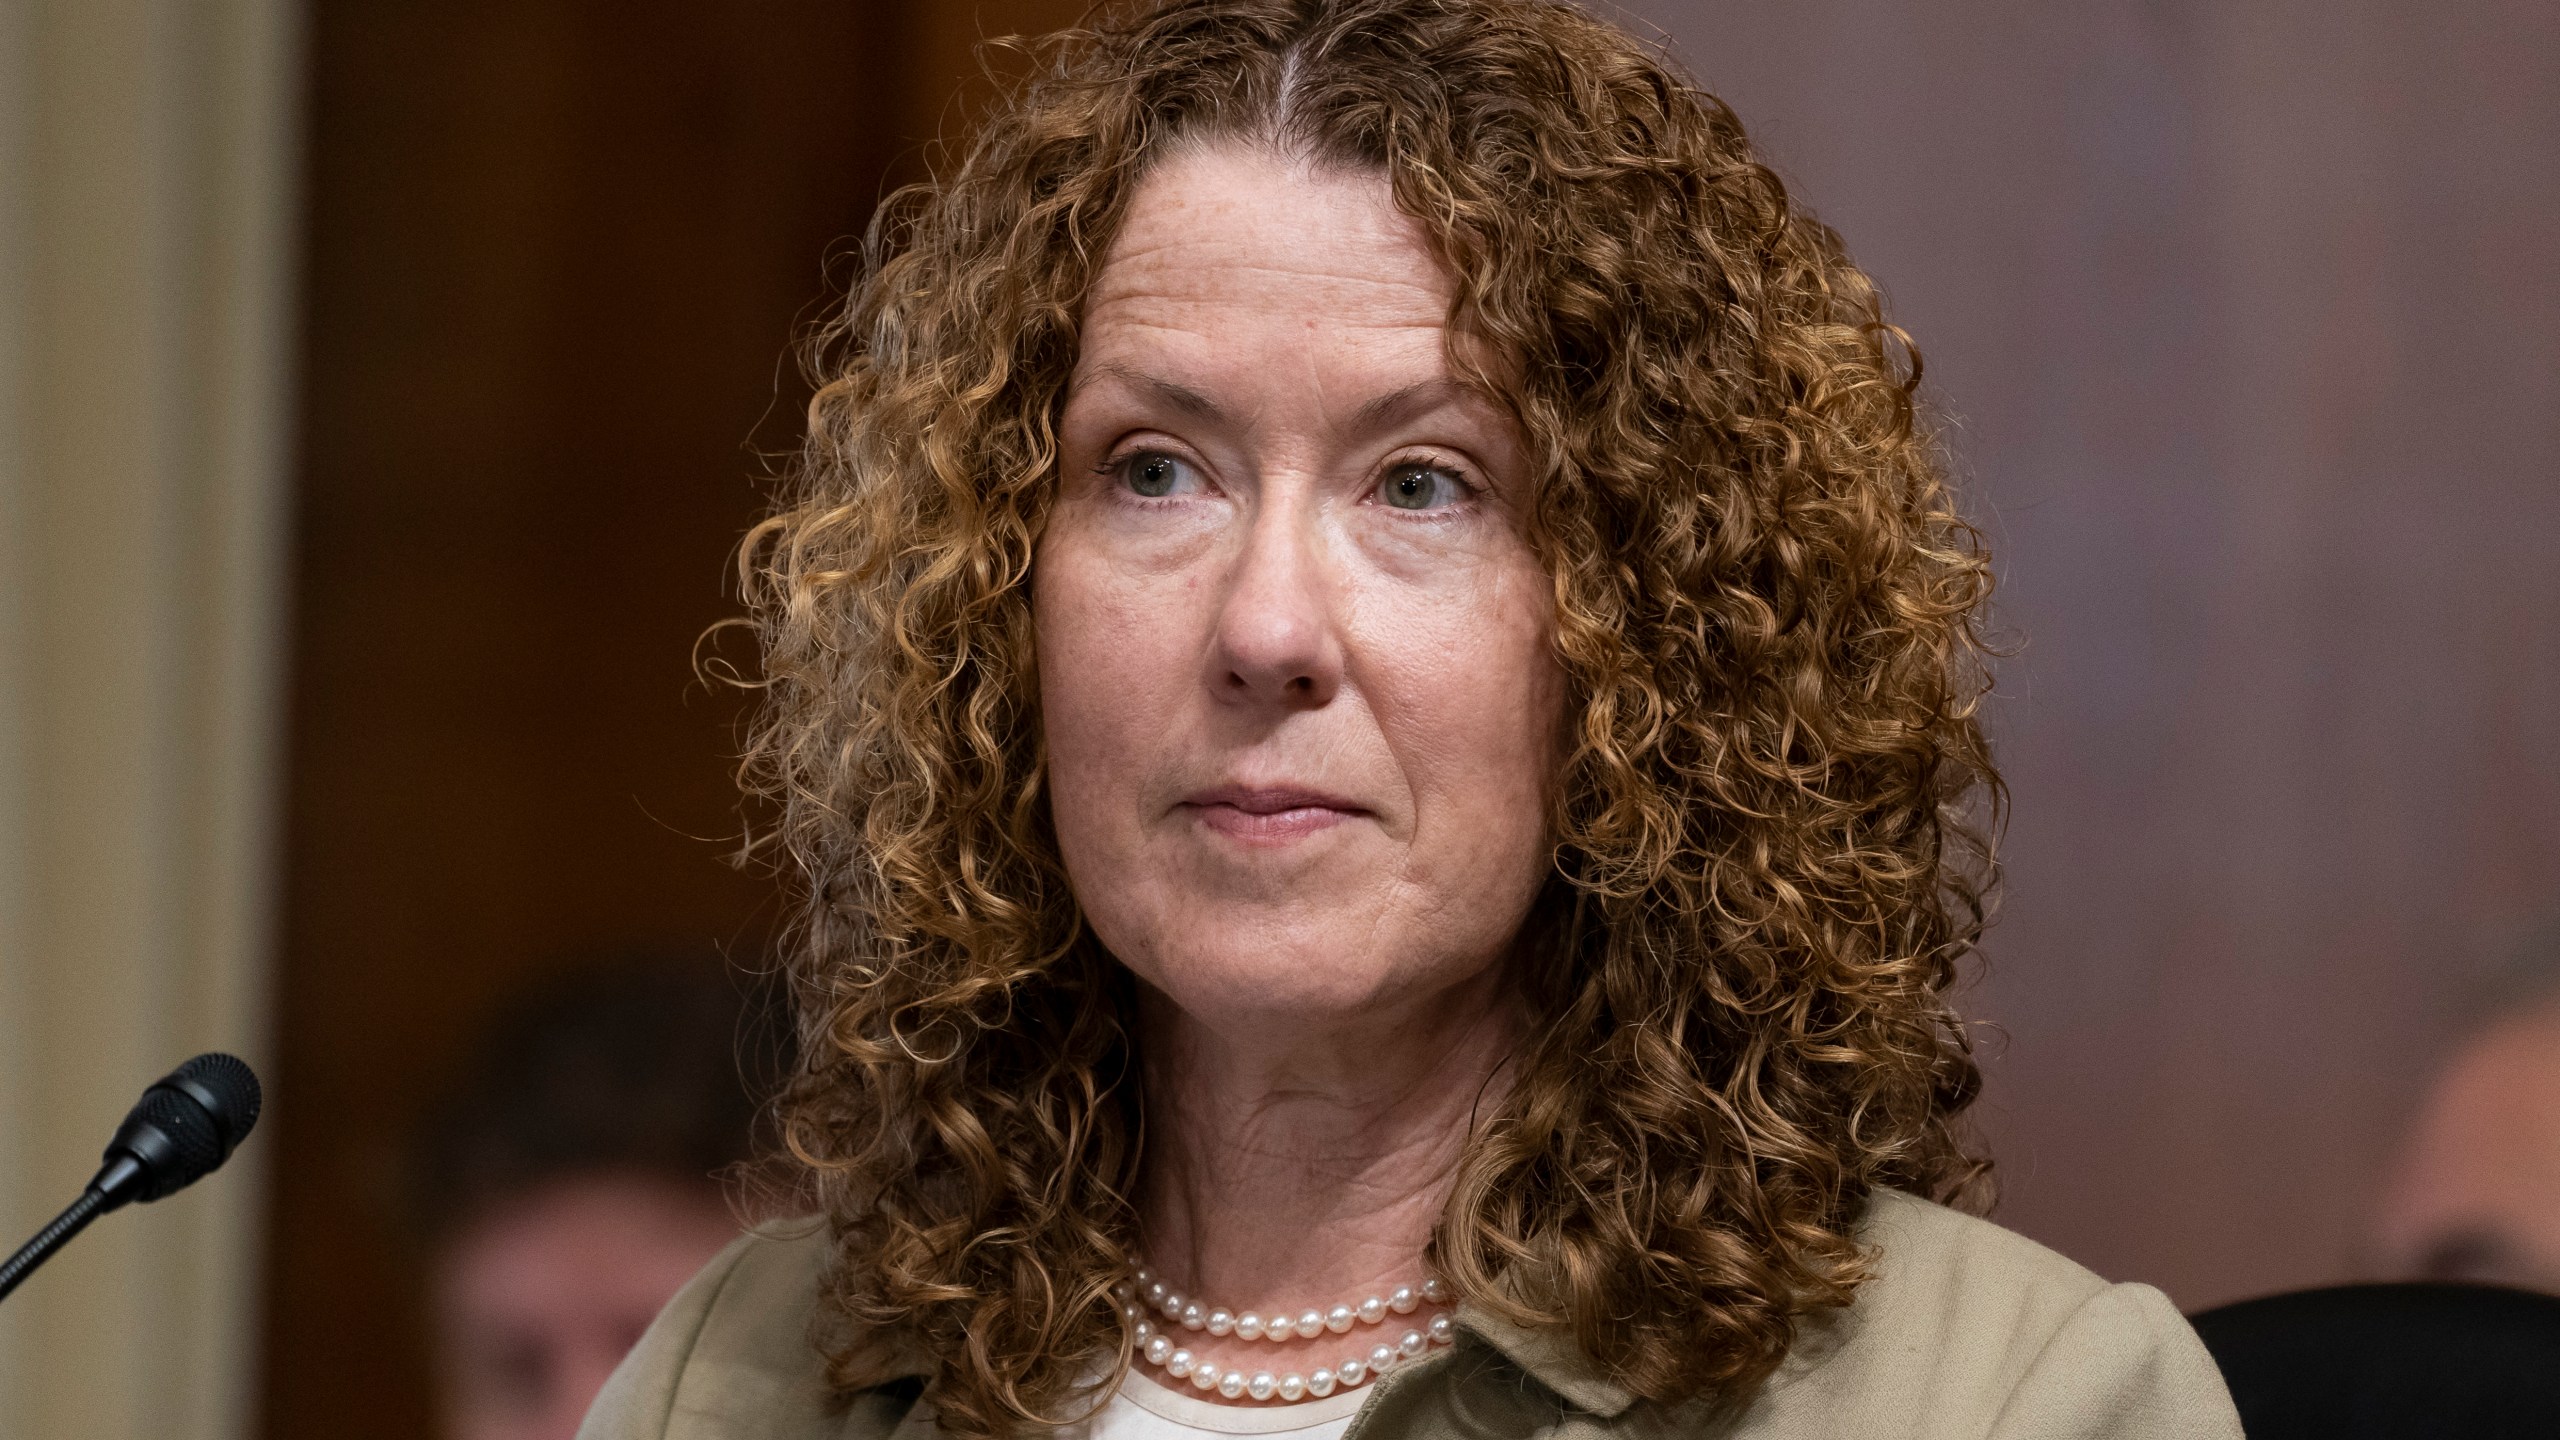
<point>52,1237</point>
<point>180,1131</point>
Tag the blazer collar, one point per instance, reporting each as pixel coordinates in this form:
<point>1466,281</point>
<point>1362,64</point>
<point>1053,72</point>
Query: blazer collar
<point>1551,1358</point>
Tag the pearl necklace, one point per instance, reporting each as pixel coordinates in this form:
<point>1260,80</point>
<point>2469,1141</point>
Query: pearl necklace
<point>1158,1347</point>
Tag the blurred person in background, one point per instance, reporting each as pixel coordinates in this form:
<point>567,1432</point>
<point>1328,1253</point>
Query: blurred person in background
<point>573,1180</point>
<point>2476,1194</point>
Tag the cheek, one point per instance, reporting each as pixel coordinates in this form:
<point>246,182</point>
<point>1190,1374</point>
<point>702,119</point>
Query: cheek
<point>1107,672</point>
<point>1472,701</point>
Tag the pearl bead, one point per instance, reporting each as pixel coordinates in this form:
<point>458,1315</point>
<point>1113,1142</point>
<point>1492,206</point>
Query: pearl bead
<point>1434,1291</point>
<point>1222,1322</point>
<point>1144,1277</point>
<point>1205,1377</point>
<point>1320,1384</point>
<point>1372,1310</point>
<point>1382,1358</point>
<point>1155,1292</point>
<point>1122,1290</point>
<point>1351,1373</point>
<point>1171,1306</point>
<point>1403,1300</point>
<point>1293,1387</point>
<point>1262,1386</point>
<point>1339,1318</point>
<point>1248,1326</point>
<point>1129,1312</point>
<point>1178,1364</point>
<point>1311,1324</point>
<point>1443,1331</point>
<point>1157,1349</point>
<point>1143,1331</point>
<point>1192,1319</point>
<point>1411,1344</point>
<point>1231,1384</point>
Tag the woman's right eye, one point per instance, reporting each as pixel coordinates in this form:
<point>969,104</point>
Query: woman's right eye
<point>1154,474</point>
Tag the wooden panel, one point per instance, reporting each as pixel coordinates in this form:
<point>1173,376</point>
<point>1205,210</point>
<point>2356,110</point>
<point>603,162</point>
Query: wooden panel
<point>2246,317</point>
<point>556,251</point>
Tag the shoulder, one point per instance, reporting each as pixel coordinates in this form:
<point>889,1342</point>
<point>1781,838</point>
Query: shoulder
<point>735,1354</point>
<point>1967,1329</point>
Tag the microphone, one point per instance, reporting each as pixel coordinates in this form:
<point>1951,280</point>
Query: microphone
<point>180,1131</point>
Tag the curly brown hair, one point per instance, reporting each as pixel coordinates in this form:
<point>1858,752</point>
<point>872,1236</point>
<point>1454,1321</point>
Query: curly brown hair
<point>1771,846</point>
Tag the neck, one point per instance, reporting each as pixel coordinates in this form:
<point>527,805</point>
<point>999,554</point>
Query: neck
<point>1307,1165</point>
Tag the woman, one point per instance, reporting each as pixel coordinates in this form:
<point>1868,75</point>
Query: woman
<point>1373,685</point>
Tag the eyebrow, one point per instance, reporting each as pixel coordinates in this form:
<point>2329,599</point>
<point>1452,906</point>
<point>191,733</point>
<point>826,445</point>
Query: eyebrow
<point>1397,406</point>
<point>1181,397</point>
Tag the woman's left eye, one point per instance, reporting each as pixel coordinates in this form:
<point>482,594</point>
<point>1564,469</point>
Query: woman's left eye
<point>1421,487</point>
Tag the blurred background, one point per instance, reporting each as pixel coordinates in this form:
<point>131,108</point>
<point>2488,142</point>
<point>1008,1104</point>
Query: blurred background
<point>383,385</point>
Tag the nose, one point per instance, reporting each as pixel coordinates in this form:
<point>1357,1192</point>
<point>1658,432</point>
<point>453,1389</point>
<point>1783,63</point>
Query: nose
<point>1278,641</point>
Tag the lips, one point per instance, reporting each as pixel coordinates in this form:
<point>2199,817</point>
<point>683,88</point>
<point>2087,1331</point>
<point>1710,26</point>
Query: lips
<point>1269,813</point>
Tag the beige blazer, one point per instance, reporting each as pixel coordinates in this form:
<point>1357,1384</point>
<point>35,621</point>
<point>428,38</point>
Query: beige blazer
<point>1966,1331</point>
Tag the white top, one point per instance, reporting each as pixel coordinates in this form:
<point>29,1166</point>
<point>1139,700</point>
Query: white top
<point>1141,1409</point>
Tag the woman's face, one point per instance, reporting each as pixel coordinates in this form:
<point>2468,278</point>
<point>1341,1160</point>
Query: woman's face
<point>1296,675</point>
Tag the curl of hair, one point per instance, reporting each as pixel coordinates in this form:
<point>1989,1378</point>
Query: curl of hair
<point>1772,839</point>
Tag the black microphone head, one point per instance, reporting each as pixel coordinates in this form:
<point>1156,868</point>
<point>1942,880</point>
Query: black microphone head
<point>184,1127</point>
<point>226,1087</point>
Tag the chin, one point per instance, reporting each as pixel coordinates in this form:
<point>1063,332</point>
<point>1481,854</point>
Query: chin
<point>1258,969</point>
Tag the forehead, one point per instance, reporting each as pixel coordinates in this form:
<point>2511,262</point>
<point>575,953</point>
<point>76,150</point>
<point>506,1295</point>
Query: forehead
<point>1226,235</point>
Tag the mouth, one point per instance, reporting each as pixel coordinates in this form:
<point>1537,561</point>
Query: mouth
<point>1269,813</point>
